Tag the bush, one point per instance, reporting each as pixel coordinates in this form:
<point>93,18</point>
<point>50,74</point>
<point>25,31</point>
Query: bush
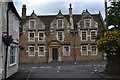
<point>110,42</point>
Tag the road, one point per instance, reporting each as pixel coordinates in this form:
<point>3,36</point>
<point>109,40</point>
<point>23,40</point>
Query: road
<point>86,69</point>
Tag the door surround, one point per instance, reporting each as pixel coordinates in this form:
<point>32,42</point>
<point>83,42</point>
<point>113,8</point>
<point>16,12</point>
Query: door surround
<point>53,45</point>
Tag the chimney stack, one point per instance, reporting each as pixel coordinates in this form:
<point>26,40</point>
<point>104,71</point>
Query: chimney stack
<point>71,17</point>
<point>24,12</point>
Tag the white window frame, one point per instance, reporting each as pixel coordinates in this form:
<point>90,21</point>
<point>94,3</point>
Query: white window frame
<point>39,49</point>
<point>87,50</point>
<point>85,22</point>
<point>34,25</point>
<point>43,36</point>
<point>57,23</point>
<point>15,55</point>
<point>29,50</point>
<point>86,36</point>
<point>62,36</point>
<point>91,50</point>
<point>95,34</point>
<point>64,49</point>
<point>29,36</point>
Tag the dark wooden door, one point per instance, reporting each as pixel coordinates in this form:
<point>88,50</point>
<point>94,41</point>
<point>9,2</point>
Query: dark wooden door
<point>55,54</point>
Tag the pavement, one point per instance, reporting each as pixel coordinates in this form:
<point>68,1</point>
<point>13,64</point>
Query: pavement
<point>93,70</point>
<point>20,75</point>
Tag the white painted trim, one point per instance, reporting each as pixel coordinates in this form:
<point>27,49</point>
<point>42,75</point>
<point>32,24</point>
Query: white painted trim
<point>91,50</point>
<point>95,34</point>
<point>29,50</point>
<point>63,51</point>
<point>86,35</point>
<point>16,52</point>
<point>43,36</point>
<point>62,23</point>
<point>81,50</point>
<point>34,22</point>
<point>38,50</point>
<point>29,37</point>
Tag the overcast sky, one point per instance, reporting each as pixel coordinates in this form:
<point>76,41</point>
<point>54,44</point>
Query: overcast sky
<point>48,7</point>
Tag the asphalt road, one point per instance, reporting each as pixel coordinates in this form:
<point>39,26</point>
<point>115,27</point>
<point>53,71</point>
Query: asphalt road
<point>86,69</point>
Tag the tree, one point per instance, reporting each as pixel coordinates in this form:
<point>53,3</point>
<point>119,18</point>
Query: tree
<point>114,14</point>
<point>109,43</point>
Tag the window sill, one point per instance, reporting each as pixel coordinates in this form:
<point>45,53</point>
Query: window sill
<point>31,55</point>
<point>41,40</point>
<point>41,55</point>
<point>84,55</point>
<point>66,55</point>
<point>11,65</point>
<point>93,54</point>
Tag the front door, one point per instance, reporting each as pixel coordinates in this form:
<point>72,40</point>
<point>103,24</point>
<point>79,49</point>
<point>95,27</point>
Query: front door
<point>55,53</point>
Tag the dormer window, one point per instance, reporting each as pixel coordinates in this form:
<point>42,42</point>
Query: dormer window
<point>59,23</point>
<point>32,24</point>
<point>87,22</point>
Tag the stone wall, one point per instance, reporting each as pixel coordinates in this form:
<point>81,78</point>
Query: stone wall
<point>113,64</point>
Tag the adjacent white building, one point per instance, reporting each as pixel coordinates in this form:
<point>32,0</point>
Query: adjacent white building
<point>13,51</point>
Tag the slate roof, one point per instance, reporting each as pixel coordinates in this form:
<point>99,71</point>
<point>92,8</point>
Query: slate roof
<point>47,19</point>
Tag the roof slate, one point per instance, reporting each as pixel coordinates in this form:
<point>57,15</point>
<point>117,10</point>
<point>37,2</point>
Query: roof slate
<point>47,19</point>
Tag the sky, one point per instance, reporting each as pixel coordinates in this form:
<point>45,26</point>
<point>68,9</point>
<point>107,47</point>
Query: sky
<point>51,7</point>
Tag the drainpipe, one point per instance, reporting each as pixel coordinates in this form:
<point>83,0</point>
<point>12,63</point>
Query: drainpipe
<point>74,33</point>
<point>6,56</point>
<point>106,12</point>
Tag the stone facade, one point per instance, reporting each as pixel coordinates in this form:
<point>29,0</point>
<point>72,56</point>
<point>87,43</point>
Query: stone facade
<point>61,38</point>
<point>13,50</point>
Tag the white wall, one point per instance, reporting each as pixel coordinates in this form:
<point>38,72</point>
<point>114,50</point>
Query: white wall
<point>0,40</point>
<point>14,31</point>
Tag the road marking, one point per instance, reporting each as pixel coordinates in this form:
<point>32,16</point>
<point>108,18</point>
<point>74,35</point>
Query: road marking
<point>41,67</point>
<point>34,67</point>
<point>94,65</point>
<point>75,63</point>
<point>28,75</point>
<point>49,67</point>
<point>92,72</point>
<point>103,65</point>
<point>89,65</point>
<point>58,69</point>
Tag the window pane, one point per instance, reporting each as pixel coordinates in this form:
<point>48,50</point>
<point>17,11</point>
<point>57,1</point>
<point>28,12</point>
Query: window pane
<point>83,35</point>
<point>66,50</point>
<point>87,23</point>
<point>32,24</point>
<point>84,50</point>
<point>31,50</point>
<point>93,35</point>
<point>41,50</point>
<point>59,23</point>
<point>60,36</point>
<point>12,55</point>
<point>93,50</point>
<point>31,36</point>
<point>41,36</point>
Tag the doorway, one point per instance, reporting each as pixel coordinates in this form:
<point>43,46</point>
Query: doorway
<point>55,54</point>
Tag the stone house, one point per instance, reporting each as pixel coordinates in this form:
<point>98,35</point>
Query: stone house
<point>9,17</point>
<point>69,37</point>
